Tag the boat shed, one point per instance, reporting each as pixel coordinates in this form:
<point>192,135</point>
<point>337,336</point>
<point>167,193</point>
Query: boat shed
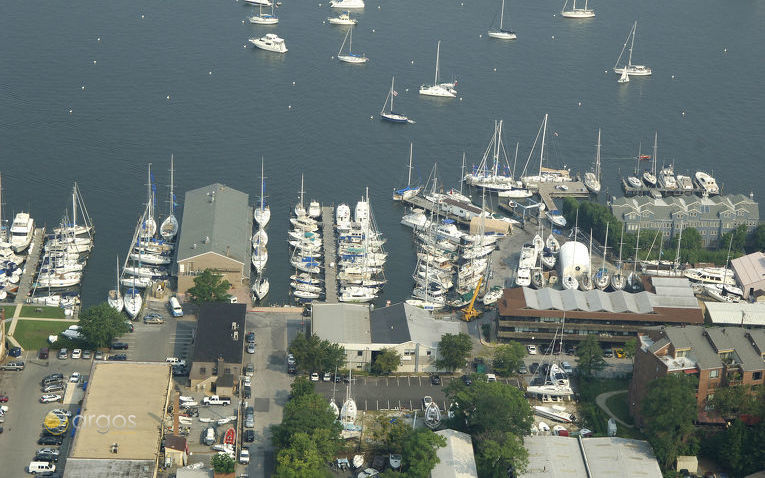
<point>456,459</point>
<point>749,271</point>
<point>737,313</point>
<point>413,332</point>
<point>216,230</point>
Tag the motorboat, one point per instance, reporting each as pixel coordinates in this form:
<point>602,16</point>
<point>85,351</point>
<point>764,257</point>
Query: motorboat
<point>133,302</point>
<point>554,412</point>
<point>442,90</point>
<point>314,209</point>
<point>684,183</point>
<point>305,294</point>
<point>347,4</point>
<point>501,33</point>
<point>667,179</point>
<point>144,271</point>
<point>260,287</point>
<point>22,230</point>
<point>629,68</point>
<point>711,275</point>
<point>270,42</point>
<point>492,296</point>
<point>416,219</point>
<point>432,416</point>
<point>390,115</point>
<point>634,182</point>
<point>523,277</point>
<point>350,57</point>
<point>357,294</point>
<point>577,12</point>
<point>342,19</point>
<point>343,217</point>
<point>528,256</point>
<point>264,18</point>
<point>707,183</point>
<point>138,282</point>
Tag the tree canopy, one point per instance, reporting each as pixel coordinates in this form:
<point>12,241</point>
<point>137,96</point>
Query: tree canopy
<point>209,286</point>
<point>453,351</point>
<point>669,408</point>
<point>418,449</point>
<point>313,354</point>
<point>630,347</point>
<point>497,452</point>
<point>590,356</point>
<point>386,361</point>
<point>489,406</point>
<point>101,323</point>
<point>222,463</point>
<point>508,357</point>
<point>301,386</point>
<point>301,458</point>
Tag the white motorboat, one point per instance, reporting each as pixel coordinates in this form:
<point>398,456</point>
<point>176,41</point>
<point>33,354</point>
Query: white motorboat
<point>442,90</point>
<point>554,412</point>
<point>350,57</point>
<point>260,238</point>
<point>357,294</point>
<point>501,33</point>
<point>711,275</point>
<point>684,183</point>
<point>523,277</point>
<point>270,42</point>
<point>577,12</point>
<point>305,294</point>
<point>556,218</point>
<point>260,287</point>
<point>342,19</point>
<point>263,3</point>
<point>22,230</point>
<point>408,191</point>
<point>347,4</point>
<point>343,217</point>
<point>169,227</point>
<point>416,219</point>
<point>259,258</point>
<point>66,279</point>
<point>629,68</point>
<point>264,18</point>
<point>492,296</point>
<point>314,209</point>
<point>133,302</point>
<point>634,182</point>
<point>432,416</point>
<point>667,179</point>
<point>592,178</point>
<point>390,115</point>
<point>707,183</point>
<point>143,271</point>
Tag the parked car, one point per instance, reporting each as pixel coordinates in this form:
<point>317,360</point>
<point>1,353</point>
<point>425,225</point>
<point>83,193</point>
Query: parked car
<point>37,467</point>
<point>290,359</point>
<point>250,337</point>
<point>63,354</point>
<point>98,355</point>
<point>53,387</point>
<point>43,355</point>
<point>244,456</point>
<point>46,457</point>
<point>15,352</point>
<point>435,380</point>
<point>249,436</point>
<point>246,392</point>
<point>119,346</point>
<point>315,377</point>
<point>608,353</point>
<point>117,357</point>
<point>76,353</point>
<point>48,450</point>
<point>427,400</point>
<point>619,353</point>
<point>467,380</point>
<point>250,370</point>
<point>50,440</point>
<point>326,377</point>
<point>567,368</point>
<point>250,348</point>
<point>291,369</point>
<point>54,377</point>
<point>130,326</point>
<point>86,354</point>
<point>522,369</point>
<point>153,320</point>
<point>490,377</point>
<point>50,397</point>
<point>532,349</point>
<point>152,315</point>
<point>17,365</point>
<point>3,398</point>
<point>75,377</point>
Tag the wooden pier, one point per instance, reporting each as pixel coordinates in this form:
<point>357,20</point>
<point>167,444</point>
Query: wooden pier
<point>30,266</point>
<point>330,251</point>
<point>656,192</point>
<point>548,191</point>
<point>422,203</point>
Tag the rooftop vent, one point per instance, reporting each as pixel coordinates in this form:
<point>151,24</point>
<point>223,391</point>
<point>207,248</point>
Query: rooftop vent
<point>206,239</point>
<point>115,448</point>
<point>235,336</point>
<point>234,326</point>
<point>212,197</point>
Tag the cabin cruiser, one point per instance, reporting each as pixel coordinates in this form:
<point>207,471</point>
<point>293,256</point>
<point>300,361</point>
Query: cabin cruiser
<point>707,183</point>
<point>270,42</point>
<point>22,229</point>
<point>667,178</point>
<point>711,275</point>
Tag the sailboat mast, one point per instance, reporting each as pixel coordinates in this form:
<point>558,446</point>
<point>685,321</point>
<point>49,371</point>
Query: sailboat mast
<point>150,208</point>
<point>462,177</point>
<point>74,205</point>
<point>409,178</point>
<point>597,161</point>
<point>262,183</point>
<point>172,178</point>
<point>621,243</point>
<point>677,253</point>
<point>605,247</point>
<point>392,81</point>
<point>301,190</point>
<point>632,45</point>
<point>637,250</point>
<point>502,15</point>
<point>655,148</point>
<point>542,149</point>
<point>438,55</point>
<point>497,145</point>
<point>515,158</point>
<point>350,41</point>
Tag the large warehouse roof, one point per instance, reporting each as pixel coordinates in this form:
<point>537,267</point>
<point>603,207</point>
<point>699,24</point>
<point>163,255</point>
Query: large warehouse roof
<point>739,313</point>
<point>341,323</point>
<point>216,219</point>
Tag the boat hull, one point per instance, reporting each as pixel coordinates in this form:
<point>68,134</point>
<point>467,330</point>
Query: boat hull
<point>503,35</point>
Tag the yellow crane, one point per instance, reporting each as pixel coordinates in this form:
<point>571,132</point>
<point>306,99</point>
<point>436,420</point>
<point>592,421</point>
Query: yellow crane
<point>470,312</point>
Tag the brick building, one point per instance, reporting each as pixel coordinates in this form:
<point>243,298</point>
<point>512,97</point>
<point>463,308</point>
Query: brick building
<point>717,356</point>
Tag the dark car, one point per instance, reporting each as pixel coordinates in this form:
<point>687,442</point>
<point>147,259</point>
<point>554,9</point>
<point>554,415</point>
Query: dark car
<point>250,337</point>
<point>46,457</point>
<point>467,380</point>
<point>44,353</point>
<point>130,326</point>
<point>15,352</point>
<point>180,370</point>
<point>291,369</point>
<point>533,367</point>
<point>3,398</point>
<point>117,357</point>
<point>247,392</point>
<point>52,378</point>
<point>570,350</point>
<point>50,440</point>
<point>435,380</point>
<point>119,346</point>
<point>338,378</point>
<point>522,369</point>
<point>608,353</point>
<point>249,436</point>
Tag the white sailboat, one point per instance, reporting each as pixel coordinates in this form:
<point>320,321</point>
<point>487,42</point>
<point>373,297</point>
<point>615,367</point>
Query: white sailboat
<point>391,115</point>
<point>148,223</point>
<point>169,227</point>
<point>592,178</point>
<point>408,191</point>
<point>264,18</point>
<point>649,176</point>
<point>262,213</point>
<point>577,12</point>
<point>78,209</point>
<point>349,410</point>
<point>442,90</point>
<point>493,172</point>
<point>501,33</point>
<point>350,57</point>
<point>133,302</point>
<point>347,4</point>
<point>259,258</point>
<point>260,287</point>
<point>115,298</point>
<point>629,68</point>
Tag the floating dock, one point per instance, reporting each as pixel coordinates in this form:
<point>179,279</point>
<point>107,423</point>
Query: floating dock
<point>658,191</point>
<point>548,191</point>
<point>330,251</point>
<point>30,266</point>
<point>422,203</point>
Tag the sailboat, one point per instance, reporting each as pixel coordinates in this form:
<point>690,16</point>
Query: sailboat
<point>633,280</point>
<point>169,227</point>
<point>592,178</point>
<point>115,299</point>
<point>259,258</point>
<point>577,12</point>
<point>342,19</point>
<point>624,78</point>
<point>408,191</point>
<point>442,90</point>
<point>78,208</point>
<point>546,174</point>
<point>501,33</point>
<point>617,278</point>
<point>650,176</point>
<point>149,224</point>
<point>601,278</point>
<point>262,213</point>
<point>629,68</point>
<point>585,281</point>
<point>260,287</point>
<point>264,18</point>
<point>133,302</point>
<point>350,57</point>
<point>349,410</point>
<point>390,115</point>
<point>489,174</point>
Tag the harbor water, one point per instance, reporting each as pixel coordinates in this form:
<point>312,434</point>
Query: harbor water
<point>93,91</point>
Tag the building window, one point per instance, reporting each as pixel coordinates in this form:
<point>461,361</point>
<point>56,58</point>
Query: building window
<point>359,353</point>
<point>202,370</point>
<point>756,375</point>
<point>429,352</point>
<point>714,373</point>
<point>680,353</point>
<point>408,352</point>
<point>226,370</point>
<point>358,366</point>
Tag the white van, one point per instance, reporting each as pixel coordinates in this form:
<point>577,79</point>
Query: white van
<point>175,307</point>
<point>36,467</point>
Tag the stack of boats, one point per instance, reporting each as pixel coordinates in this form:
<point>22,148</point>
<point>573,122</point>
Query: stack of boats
<point>64,257</point>
<point>305,240</point>
<point>537,257</point>
<point>261,214</point>
<point>150,252</point>
<point>12,247</point>
<point>360,254</point>
<point>715,282</point>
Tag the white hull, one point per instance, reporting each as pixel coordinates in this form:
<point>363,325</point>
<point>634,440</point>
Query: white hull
<point>570,282</point>
<point>115,300</point>
<point>260,288</point>
<point>259,259</point>
<point>270,42</point>
<point>262,3</point>
<point>264,20</point>
<point>437,91</point>
<point>347,4</point>
<point>554,413</point>
<point>343,19</point>
<point>139,282</point>
<point>426,304</point>
<point>262,216</point>
<point>515,193</point>
<point>259,238</point>
<point>503,35</point>
<point>133,304</point>
<point>353,59</point>
<point>152,259</point>
<point>634,70</point>
<point>169,228</point>
<point>578,13</point>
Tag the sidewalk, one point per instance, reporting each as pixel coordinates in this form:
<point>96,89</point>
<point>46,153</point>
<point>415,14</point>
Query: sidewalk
<point>601,399</point>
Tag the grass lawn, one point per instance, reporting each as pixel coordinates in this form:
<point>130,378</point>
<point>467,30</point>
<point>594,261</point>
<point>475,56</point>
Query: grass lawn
<point>9,311</point>
<point>33,334</point>
<point>618,406</point>
<point>42,312</point>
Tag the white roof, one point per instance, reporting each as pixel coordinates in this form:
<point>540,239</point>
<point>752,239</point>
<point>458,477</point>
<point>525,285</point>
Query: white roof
<point>456,458</point>
<point>574,255</point>
<point>742,313</point>
<point>599,301</point>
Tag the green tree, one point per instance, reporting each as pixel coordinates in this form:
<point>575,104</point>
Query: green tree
<point>101,324</point>
<point>419,453</point>
<point>590,356</point>
<point>731,402</point>
<point>489,406</point>
<point>300,459</point>
<point>453,351</point>
<point>209,286</point>
<point>691,239</point>
<point>222,463</point>
<point>630,347</point>
<point>669,408</point>
<point>497,452</point>
<point>313,354</point>
<point>305,414</point>
<point>386,361</point>
<point>508,357</point>
<point>301,386</point>
<point>756,239</point>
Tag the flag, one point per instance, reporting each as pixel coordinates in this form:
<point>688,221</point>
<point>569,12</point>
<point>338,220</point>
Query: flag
<point>395,93</point>
<point>644,157</point>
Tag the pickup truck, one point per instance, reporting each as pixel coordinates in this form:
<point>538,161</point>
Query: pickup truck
<point>216,400</point>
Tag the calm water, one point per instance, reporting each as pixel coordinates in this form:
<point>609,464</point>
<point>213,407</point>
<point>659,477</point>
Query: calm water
<point>229,104</point>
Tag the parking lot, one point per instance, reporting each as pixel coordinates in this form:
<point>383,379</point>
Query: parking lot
<point>156,342</point>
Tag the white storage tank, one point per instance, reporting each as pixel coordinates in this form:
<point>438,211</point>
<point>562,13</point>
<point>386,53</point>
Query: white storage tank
<point>574,259</point>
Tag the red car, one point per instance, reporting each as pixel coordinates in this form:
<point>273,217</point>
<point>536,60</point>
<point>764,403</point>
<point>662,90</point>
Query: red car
<point>3,398</point>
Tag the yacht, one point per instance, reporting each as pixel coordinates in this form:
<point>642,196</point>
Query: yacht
<point>442,90</point>
<point>629,68</point>
<point>270,42</point>
<point>343,217</point>
<point>22,229</point>
<point>342,19</point>
<point>711,275</point>
<point>501,33</point>
<point>577,12</point>
<point>350,57</point>
<point>634,182</point>
<point>133,302</point>
<point>523,277</point>
<point>556,218</point>
<point>707,183</point>
<point>347,4</point>
<point>416,220</point>
<point>314,209</point>
<point>262,3</point>
<point>390,115</point>
<point>667,178</point>
<point>685,183</point>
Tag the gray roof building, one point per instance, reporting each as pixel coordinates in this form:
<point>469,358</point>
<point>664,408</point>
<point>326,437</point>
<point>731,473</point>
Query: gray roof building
<point>456,458</point>
<point>749,271</point>
<point>711,216</point>
<point>341,323</point>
